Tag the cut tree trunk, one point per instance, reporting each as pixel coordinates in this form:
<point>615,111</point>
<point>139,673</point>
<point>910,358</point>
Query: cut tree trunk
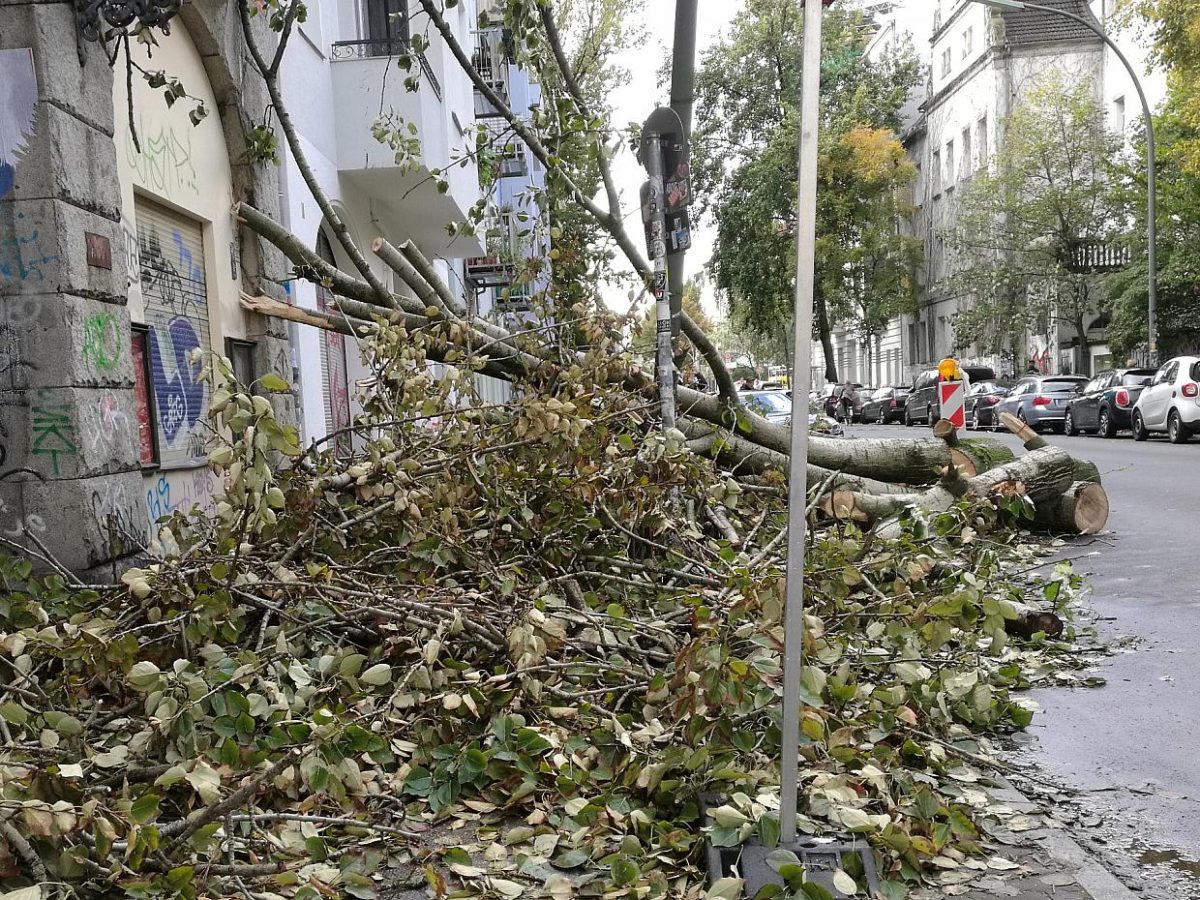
<point>1084,470</point>
<point>1082,509</point>
<point>1043,476</point>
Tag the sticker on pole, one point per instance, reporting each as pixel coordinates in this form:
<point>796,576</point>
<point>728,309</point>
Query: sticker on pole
<point>952,397</point>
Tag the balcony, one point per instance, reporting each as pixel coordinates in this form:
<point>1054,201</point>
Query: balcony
<point>370,94</point>
<point>491,59</point>
<point>1096,257</point>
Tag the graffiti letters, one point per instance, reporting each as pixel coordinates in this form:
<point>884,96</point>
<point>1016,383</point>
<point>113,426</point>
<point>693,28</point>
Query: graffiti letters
<point>174,492</point>
<point>21,258</point>
<point>112,424</point>
<point>165,163</point>
<point>118,521</point>
<point>102,342</point>
<point>53,433</point>
<point>179,394</point>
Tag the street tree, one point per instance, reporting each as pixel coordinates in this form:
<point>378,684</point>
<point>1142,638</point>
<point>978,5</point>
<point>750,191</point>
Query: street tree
<point>1025,228</point>
<point>745,162</point>
<point>645,342</point>
<point>1178,244</point>
<point>1175,28</point>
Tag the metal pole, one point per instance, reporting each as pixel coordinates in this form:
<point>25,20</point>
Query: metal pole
<point>683,96</point>
<point>662,294</point>
<point>806,245</point>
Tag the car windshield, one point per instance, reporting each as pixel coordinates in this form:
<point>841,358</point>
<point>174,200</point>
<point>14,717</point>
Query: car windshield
<point>882,394</point>
<point>769,403</point>
<point>1061,385</point>
<point>986,387</point>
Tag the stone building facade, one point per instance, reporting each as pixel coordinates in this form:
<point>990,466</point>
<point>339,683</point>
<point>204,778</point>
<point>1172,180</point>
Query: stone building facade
<point>117,259</point>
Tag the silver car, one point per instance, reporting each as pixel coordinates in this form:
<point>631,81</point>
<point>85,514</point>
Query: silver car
<point>1171,402</point>
<point>1040,401</point>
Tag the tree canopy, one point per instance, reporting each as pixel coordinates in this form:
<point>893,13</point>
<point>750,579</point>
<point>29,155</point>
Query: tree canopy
<point>745,150</point>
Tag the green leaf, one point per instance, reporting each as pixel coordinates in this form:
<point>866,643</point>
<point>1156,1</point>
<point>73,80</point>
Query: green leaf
<point>273,382</point>
<point>378,674</point>
<point>144,808</point>
<point>624,871</point>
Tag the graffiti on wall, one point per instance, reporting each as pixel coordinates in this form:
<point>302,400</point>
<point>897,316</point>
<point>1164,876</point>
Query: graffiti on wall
<point>173,284</point>
<point>21,257</point>
<point>18,111</point>
<point>53,432</point>
<point>118,524</point>
<point>180,491</point>
<point>164,164</point>
<point>102,342</point>
<point>111,431</point>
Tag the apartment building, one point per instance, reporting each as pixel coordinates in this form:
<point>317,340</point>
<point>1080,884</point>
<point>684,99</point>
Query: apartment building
<point>343,81</point>
<point>981,63</point>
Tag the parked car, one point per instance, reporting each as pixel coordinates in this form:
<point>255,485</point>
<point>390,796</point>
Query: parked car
<point>884,405</point>
<point>922,405</point>
<point>1106,404</point>
<point>980,407</point>
<point>774,406</point>
<point>1040,401</point>
<point>1171,402</point>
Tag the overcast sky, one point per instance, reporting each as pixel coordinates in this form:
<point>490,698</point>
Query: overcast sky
<point>635,101</point>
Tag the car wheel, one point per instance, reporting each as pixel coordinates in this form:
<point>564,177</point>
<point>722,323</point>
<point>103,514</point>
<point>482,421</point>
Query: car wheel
<point>1176,433</point>
<point>1069,428</point>
<point>973,422</point>
<point>1139,427</point>
<point>882,420</point>
<point>1024,421</point>
<point>1106,424</point>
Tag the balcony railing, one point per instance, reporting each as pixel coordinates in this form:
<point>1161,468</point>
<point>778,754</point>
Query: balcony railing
<point>381,48</point>
<point>1096,257</point>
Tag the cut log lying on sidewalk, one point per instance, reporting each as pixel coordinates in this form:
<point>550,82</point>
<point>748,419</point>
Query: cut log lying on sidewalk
<point>1082,509</point>
<point>1084,470</point>
<point>1045,476</point>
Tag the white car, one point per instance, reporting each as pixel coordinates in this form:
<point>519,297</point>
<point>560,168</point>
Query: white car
<point>1171,403</point>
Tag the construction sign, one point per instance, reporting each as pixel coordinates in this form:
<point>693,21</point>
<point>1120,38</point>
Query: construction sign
<point>952,393</point>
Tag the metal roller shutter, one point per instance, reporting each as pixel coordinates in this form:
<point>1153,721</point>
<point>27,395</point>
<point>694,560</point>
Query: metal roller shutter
<point>174,287</point>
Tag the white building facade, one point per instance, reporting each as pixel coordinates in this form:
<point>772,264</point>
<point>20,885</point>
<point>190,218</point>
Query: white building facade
<point>343,80</point>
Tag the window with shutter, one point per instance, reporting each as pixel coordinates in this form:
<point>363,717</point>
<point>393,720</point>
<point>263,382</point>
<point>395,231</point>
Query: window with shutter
<point>174,288</point>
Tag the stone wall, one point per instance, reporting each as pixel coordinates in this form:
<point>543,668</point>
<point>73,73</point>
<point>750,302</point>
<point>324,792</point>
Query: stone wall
<point>70,479</point>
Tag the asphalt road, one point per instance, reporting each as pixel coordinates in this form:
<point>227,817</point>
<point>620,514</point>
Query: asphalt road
<point>1132,747</point>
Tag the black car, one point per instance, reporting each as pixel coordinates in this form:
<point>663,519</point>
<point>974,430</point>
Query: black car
<point>885,405</point>
<point>922,403</point>
<point>981,404</point>
<point>1105,405</point>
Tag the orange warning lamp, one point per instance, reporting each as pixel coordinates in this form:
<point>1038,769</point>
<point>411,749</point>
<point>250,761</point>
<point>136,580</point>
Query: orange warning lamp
<point>948,370</point>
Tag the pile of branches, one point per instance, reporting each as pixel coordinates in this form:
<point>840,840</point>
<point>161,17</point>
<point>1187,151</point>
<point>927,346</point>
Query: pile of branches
<point>503,651</point>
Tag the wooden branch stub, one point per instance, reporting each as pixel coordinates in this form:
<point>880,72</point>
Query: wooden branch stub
<point>945,430</point>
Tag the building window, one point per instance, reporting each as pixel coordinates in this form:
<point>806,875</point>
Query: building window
<point>241,357</point>
<point>981,133</point>
<point>950,163</point>
<point>1119,115</point>
<point>966,168</point>
<point>387,26</point>
<point>143,398</point>
<point>946,63</point>
<point>967,42</point>
<point>937,172</point>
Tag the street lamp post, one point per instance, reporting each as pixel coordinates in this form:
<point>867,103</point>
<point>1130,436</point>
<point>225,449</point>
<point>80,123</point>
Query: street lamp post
<point>1151,172</point>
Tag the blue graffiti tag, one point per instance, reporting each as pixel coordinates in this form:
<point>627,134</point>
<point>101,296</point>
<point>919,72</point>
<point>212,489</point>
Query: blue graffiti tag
<point>180,396</point>
<point>7,178</point>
